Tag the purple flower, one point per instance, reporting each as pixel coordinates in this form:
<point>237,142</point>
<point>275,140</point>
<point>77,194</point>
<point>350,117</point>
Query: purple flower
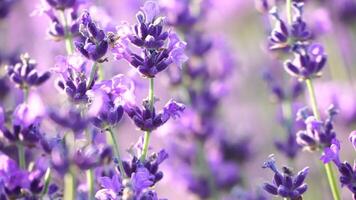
<point>147,119</point>
<point>12,178</point>
<point>111,188</point>
<point>73,82</point>
<point>331,153</point>
<point>308,62</point>
<point>95,45</point>
<point>24,75</point>
<point>72,120</point>
<point>284,37</point>
<point>5,7</point>
<point>141,179</point>
<point>285,184</point>
<point>318,134</point>
<point>159,48</point>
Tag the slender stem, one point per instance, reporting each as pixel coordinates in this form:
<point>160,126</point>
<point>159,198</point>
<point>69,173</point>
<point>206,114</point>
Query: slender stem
<point>312,98</point>
<point>101,72</point>
<point>68,38</point>
<point>90,182</point>
<point>203,167</point>
<point>26,93</point>
<point>21,155</point>
<point>328,168</point>
<point>115,145</point>
<point>146,140</point>
<point>47,179</point>
<point>332,181</point>
<point>94,68</point>
<point>69,186</point>
<point>285,198</point>
<point>289,11</point>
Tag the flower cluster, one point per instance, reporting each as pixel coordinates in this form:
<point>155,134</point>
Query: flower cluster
<point>318,134</point>
<point>159,48</point>
<point>24,74</point>
<point>95,43</point>
<point>285,184</point>
<point>346,171</point>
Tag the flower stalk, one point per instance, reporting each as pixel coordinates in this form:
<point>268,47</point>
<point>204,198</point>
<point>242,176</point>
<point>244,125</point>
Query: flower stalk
<point>147,135</point>
<point>328,168</point>
<point>69,186</point>
<point>90,182</point>
<point>94,68</point>
<point>47,179</point>
<point>115,145</point>
<point>68,38</point>
<point>21,155</point>
<point>289,11</point>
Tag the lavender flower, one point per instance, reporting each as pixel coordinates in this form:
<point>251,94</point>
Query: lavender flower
<point>318,134</point>
<point>24,75</point>
<point>72,120</point>
<point>110,96</point>
<point>73,78</point>
<point>96,43</point>
<point>285,184</point>
<point>149,35</point>
<point>308,62</point>
<point>284,37</point>
<point>347,172</point>
<point>5,7</point>
<point>148,120</point>
<point>111,188</point>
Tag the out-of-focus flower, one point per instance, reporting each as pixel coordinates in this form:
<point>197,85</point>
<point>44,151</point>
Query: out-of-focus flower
<point>318,134</point>
<point>72,120</point>
<point>284,183</point>
<point>5,7</point>
<point>308,62</point>
<point>24,75</point>
<point>111,188</point>
<point>285,37</point>
<point>73,78</point>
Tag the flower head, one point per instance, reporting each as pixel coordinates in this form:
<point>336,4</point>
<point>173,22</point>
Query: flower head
<point>96,44</point>
<point>285,184</point>
<point>308,63</point>
<point>147,119</point>
<point>25,75</point>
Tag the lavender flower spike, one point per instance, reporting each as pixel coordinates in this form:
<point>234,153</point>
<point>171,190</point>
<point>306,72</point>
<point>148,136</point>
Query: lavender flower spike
<point>285,184</point>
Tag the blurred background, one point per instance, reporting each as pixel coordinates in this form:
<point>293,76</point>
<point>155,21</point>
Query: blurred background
<point>247,110</point>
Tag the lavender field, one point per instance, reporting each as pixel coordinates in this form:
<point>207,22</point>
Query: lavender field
<point>177,99</point>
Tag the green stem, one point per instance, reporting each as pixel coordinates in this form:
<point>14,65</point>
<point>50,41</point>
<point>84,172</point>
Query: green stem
<point>69,186</point>
<point>90,182</point>
<point>68,38</point>
<point>289,11</point>
<point>26,93</point>
<point>332,181</point>
<point>328,168</point>
<point>115,145</point>
<point>94,68</point>
<point>47,179</point>
<point>21,155</point>
<point>101,72</point>
<point>312,98</point>
<point>146,139</point>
